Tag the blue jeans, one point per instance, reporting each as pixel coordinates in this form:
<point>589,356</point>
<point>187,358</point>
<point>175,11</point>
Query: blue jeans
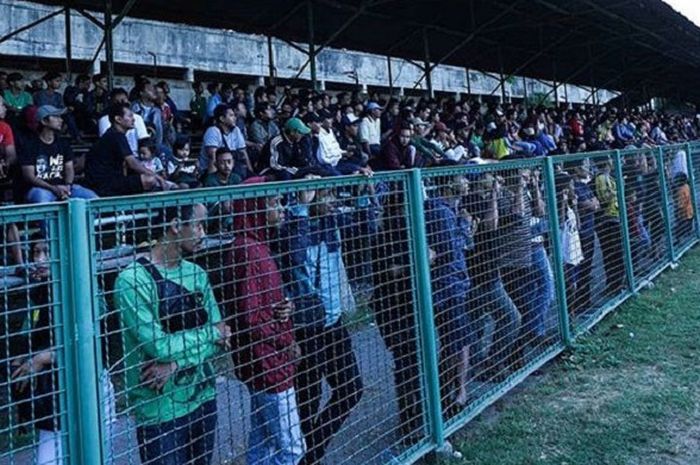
<point>275,436</point>
<point>41,195</point>
<point>185,440</point>
<point>543,290</point>
<point>490,299</point>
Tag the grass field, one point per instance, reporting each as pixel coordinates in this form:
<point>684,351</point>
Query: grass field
<point>627,395</point>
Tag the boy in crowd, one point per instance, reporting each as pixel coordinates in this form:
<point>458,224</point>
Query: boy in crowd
<point>264,348</point>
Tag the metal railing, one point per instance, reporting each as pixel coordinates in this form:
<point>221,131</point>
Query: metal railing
<point>336,320</point>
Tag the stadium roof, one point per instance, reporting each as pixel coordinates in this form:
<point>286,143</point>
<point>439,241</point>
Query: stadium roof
<point>625,45</point>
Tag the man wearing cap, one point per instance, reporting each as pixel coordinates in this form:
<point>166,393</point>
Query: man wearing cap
<point>16,98</point>
<point>371,130</point>
<point>50,95</point>
<point>47,162</point>
<point>284,154</point>
<point>350,142</point>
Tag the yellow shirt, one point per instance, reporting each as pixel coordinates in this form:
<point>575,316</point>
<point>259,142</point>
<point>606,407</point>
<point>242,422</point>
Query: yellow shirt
<point>606,191</point>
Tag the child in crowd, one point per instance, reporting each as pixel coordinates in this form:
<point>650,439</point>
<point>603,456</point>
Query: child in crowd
<point>182,168</point>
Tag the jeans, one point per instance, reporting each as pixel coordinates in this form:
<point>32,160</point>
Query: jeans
<point>608,230</point>
<point>49,451</point>
<point>275,432</point>
<point>520,285</point>
<point>491,300</point>
<point>582,301</point>
<point>543,289</point>
<point>188,440</point>
<point>41,195</point>
<point>326,354</point>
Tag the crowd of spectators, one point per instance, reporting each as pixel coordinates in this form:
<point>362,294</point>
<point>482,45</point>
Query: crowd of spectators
<point>285,283</point>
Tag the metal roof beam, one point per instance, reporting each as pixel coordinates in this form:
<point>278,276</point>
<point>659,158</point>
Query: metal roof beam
<point>26,27</point>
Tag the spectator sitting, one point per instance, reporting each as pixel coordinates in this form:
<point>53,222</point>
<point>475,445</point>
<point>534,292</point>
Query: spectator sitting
<point>8,152</point>
<point>50,95</point>
<point>146,106</point>
<point>139,132</point>
<point>198,104</point>
<point>350,142</point>
<point>224,134</point>
<point>263,129</point>
<point>98,98</point>
<point>16,98</point>
<point>47,162</point>
<point>398,153</point>
<point>284,154</point>
<point>106,161</point>
<point>224,175</point>
<point>148,158</point>
<point>371,130</point>
<point>182,168</point>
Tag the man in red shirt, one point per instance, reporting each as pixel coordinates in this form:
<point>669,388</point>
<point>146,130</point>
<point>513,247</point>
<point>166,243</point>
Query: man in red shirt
<point>8,154</point>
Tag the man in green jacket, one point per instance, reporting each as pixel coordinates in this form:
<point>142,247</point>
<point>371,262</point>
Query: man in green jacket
<point>172,330</point>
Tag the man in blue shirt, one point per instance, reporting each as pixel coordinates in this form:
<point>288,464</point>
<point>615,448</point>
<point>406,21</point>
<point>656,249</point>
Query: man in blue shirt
<point>588,205</point>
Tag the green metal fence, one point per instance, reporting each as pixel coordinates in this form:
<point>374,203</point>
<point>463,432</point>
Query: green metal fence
<point>353,320</point>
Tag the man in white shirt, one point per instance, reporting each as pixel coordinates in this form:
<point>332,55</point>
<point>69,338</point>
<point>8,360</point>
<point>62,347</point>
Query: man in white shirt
<point>133,136</point>
<point>371,130</point>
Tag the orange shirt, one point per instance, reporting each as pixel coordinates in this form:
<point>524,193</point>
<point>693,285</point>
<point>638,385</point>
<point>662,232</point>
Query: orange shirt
<point>685,205</point>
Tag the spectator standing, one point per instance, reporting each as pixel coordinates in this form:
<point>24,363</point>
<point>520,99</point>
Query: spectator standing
<point>172,330</point>
<point>263,335</point>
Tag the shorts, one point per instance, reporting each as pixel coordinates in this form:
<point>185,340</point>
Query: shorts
<point>122,185</point>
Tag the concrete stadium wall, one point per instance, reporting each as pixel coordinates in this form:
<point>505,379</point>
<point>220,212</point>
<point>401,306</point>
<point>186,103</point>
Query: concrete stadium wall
<point>225,51</point>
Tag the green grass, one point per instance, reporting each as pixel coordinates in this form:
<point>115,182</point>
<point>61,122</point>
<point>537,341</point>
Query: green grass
<point>628,394</point>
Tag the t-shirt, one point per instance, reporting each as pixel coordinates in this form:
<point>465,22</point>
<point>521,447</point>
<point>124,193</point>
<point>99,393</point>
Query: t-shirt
<point>145,339</point>
<point>133,136</point>
<point>6,136</point>
<point>106,159</point>
<point>213,137</point>
<point>48,160</point>
<point>371,130</point>
<point>213,180</point>
<point>19,101</point>
<point>44,97</point>
<point>585,194</point>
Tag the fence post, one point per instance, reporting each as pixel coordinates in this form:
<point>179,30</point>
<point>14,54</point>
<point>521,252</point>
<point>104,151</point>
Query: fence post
<point>81,300</point>
<point>661,166</point>
<point>553,215</point>
<point>624,223</point>
<point>425,307</point>
<point>65,332</point>
<point>693,189</point>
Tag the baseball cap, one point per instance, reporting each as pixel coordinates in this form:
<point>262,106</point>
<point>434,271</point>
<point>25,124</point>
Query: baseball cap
<point>349,119</point>
<point>45,111</point>
<point>441,127</point>
<point>373,106</point>
<point>296,125</point>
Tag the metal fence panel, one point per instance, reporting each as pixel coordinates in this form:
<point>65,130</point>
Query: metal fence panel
<point>346,320</point>
<point>340,252</point>
<point>36,373</point>
<point>493,284</point>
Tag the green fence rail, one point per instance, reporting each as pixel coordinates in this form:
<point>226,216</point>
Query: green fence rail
<point>342,320</point>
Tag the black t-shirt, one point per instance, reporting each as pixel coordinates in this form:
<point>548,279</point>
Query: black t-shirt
<point>105,162</point>
<point>48,160</point>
